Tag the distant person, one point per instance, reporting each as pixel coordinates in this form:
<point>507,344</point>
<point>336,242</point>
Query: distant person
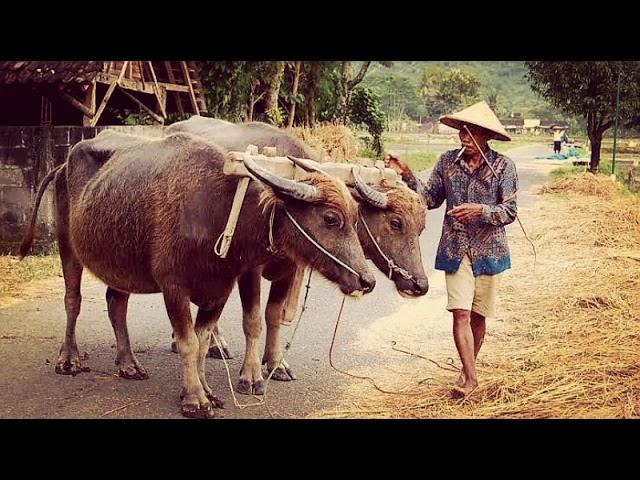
<point>557,140</point>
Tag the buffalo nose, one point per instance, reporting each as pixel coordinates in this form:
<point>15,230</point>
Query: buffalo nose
<point>368,283</point>
<point>421,286</point>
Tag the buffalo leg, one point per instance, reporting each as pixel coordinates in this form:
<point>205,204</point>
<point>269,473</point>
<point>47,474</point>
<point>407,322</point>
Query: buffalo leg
<point>251,380</point>
<point>206,321</point>
<point>214,351</point>
<point>69,357</point>
<point>195,402</point>
<point>127,363</point>
<point>278,300</point>
<point>68,362</point>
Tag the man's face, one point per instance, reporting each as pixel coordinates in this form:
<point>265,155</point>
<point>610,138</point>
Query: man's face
<point>480,134</point>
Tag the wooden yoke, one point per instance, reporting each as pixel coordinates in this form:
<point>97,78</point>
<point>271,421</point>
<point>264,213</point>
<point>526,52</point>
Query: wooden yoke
<point>285,168</point>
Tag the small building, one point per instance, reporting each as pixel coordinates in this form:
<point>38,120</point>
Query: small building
<point>514,125</point>
<point>546,125</point>
<point>531,126</point>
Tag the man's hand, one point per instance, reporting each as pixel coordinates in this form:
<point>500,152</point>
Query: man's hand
<point>467,212</point>
<point>393,161</point>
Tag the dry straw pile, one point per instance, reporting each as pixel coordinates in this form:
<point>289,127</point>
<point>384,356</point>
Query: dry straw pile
<point>337,142</point>
<point>572,346</point>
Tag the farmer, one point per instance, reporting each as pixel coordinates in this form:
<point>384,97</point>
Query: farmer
<point>479,186</point>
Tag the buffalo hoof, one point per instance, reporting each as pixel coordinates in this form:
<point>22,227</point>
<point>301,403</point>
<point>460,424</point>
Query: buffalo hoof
<point>191,408</point>
<point>246,388</point>
<point>283,374</point>
<point>70,367</point>
<point>134,372</point>
<point>215,401</point>
<point>214,352</point>
<point>258,387</point>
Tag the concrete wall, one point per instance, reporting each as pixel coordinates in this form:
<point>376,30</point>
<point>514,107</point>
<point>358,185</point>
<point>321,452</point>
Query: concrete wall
<point>26,155</point>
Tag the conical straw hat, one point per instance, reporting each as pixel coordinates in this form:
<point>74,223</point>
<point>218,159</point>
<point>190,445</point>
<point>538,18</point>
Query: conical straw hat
<point>480,115</point>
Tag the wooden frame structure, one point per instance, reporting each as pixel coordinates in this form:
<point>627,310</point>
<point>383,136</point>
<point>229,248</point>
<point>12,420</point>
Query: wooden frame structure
<point>146,84</point>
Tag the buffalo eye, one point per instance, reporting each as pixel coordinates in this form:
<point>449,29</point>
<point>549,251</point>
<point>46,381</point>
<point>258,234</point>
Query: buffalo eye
<point>396,224</point>
<point>332,219</point>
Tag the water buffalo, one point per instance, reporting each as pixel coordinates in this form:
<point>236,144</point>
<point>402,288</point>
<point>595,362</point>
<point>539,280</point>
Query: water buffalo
<point>391,219</point>
<point>144,215</point>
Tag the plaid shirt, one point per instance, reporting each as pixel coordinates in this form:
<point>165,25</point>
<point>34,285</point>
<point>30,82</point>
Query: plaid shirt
<point>485,238</point>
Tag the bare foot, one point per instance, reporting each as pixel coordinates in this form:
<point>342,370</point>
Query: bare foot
<point>461,380</point>
<point>462,391</point>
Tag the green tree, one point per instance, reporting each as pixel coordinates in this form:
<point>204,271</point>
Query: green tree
<point>227,86</point>
<point>447,90</point>
<point>365,109</point>
<point>399,96</point>
<point>589,89</point>
<point>243,90</point>
<point>318,89</point>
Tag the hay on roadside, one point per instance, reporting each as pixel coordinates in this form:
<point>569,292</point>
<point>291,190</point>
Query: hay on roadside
<point>585,183</point>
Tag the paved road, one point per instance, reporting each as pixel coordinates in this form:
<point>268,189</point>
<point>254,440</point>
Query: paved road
<point>31,333</point>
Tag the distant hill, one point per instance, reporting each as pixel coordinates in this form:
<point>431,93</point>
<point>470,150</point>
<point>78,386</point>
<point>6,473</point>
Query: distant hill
<point>506,78</point>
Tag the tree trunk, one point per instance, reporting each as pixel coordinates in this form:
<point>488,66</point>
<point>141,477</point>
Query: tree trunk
<point>252,102</point>
<point>595,130</point>
<point>311,110</point>
<point>312,85</point>
<point>595,137</point>
<point>348,86</point>
<point>294,91</point>
<point>341,112</point>
<point>596,143</point>
<point>272,92</point>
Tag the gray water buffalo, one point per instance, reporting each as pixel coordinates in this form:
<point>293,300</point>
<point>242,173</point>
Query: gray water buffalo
<point>144,215</point>
<point>390,221</point>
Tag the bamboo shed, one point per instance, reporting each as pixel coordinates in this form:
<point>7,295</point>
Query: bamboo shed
<point>91,93</point>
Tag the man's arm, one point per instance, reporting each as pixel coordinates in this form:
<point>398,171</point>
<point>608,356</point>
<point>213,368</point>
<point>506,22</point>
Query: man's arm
<point>433,192</point>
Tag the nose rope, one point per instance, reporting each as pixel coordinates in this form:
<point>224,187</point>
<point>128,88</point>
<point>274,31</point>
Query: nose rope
<point>391,264</point>
<point>311,240</point>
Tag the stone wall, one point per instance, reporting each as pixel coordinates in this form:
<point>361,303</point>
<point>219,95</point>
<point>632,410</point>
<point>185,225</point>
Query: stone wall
<point>26,155</point>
